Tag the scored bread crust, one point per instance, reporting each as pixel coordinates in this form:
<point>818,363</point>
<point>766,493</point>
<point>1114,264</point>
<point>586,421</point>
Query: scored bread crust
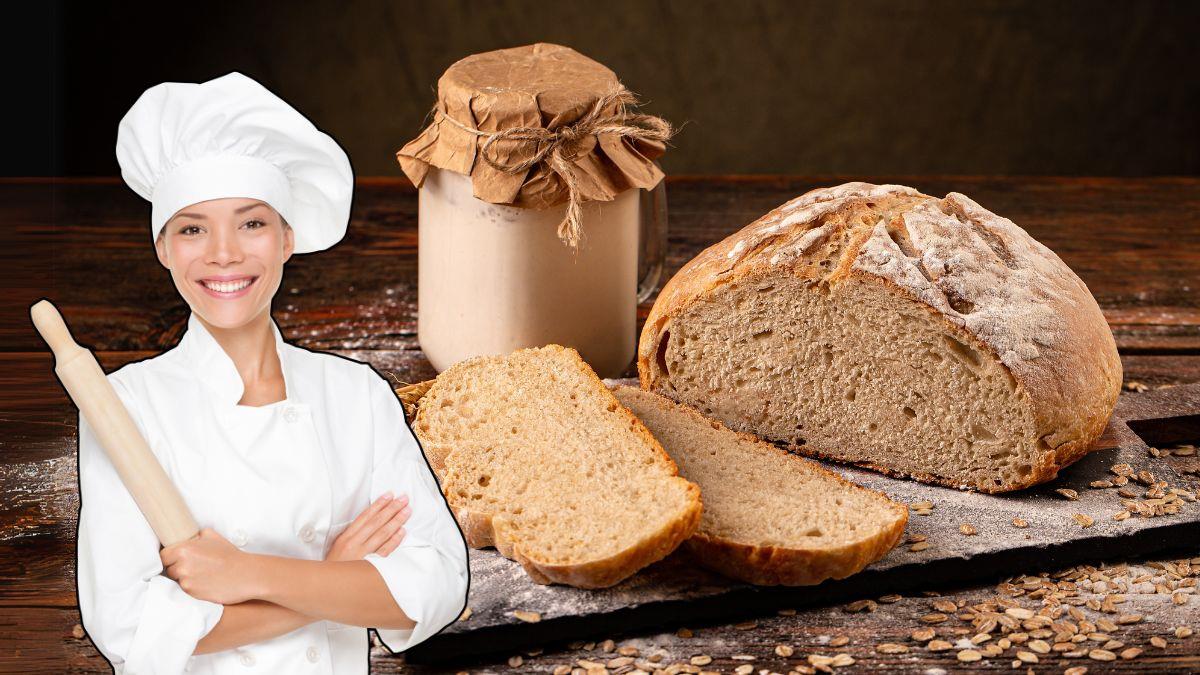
<point>483,529</point>
<point>1024,306</point>
<point>770,565</point>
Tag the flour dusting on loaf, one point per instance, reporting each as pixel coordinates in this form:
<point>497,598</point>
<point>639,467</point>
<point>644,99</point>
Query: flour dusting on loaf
<point>880,251</point>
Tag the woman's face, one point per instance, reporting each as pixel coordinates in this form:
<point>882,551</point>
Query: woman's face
<point>226,258</point>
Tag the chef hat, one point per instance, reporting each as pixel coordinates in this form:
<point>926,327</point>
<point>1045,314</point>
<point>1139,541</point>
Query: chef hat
<point>183,143</point>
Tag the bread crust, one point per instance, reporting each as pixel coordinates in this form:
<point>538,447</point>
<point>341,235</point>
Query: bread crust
<point>1045,327</point>
<point>483,529</point>
<point>768,565</point>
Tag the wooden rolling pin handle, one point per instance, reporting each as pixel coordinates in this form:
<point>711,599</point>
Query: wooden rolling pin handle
<point>131,456</point>
<point>54,331</point>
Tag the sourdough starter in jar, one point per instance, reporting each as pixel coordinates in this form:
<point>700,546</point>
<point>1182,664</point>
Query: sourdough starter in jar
<point>494,278</point>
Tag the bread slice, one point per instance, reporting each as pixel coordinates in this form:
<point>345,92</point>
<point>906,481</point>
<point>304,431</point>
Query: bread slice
<point>538,459</point>
<point>770,517</point>
<point>873,324</point>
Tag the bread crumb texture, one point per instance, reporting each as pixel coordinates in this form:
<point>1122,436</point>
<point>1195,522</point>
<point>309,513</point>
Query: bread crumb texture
<point>539,459</point>
<point>876,325</point>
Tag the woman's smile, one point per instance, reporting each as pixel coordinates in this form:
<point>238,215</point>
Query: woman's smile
<point>228,287</point>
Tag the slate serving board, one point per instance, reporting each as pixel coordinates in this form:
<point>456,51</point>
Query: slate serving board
<point>676,591</point>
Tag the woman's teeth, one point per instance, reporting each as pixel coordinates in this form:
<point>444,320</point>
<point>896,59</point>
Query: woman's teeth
<point>227,286</point>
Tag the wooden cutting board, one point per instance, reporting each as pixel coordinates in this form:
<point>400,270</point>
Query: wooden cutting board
<point>677,588</point>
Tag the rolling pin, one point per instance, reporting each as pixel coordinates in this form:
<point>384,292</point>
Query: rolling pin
<point>93,394</point>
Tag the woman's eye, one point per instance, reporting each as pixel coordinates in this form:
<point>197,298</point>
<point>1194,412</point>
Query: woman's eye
<point>254,224</point>
<point>189,229</point>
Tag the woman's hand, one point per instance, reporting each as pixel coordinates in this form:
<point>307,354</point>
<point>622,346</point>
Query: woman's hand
<point>378,529</point>
<point>208,567</point>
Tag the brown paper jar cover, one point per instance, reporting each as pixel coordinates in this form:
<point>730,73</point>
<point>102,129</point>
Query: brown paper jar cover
<point>539,85</point>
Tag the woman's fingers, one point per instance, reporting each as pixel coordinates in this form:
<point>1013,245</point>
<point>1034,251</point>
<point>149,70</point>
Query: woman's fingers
<point>380,518</point>
<point>382,534</point>
<point>372,509</point>
<point>391,544</point>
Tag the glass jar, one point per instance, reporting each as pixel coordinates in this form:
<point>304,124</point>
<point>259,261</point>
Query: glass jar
<point>493,278</point>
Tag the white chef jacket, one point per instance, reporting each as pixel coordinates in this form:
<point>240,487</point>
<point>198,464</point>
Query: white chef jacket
<point>281,479</point>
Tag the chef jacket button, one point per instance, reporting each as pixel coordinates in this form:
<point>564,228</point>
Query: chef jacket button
<point>291,415</point>
<point>313,654</point>
<point>247,659</point>
<point>307,534</point>
<point>239,538</point>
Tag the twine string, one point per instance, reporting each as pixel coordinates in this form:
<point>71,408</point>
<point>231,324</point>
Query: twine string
<point>557,147</point>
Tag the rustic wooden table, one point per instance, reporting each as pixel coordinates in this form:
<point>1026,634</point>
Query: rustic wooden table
<point>85,244</point>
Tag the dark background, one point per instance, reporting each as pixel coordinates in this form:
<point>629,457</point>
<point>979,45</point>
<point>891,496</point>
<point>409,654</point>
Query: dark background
<point>864,87</point>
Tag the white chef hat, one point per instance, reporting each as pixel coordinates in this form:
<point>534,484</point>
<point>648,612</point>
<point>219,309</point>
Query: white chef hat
<point>184,143</point>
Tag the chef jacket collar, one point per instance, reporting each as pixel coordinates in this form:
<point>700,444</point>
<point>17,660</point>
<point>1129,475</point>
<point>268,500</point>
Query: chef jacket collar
<point>216,370</point>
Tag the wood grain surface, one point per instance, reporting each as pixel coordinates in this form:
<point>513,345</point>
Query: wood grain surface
<point>85,244</point>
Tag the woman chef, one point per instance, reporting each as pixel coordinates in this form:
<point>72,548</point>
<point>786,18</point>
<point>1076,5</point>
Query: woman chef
<point>319,512</point>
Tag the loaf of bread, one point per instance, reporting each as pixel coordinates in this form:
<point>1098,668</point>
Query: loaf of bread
<point>537,458</point>
<point>877,325</point>
<point>770,517</point>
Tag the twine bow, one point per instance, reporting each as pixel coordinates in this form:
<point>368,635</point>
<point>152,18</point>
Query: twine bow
<point>556,147</point>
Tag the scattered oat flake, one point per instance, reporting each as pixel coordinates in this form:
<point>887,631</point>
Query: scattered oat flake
<point>1076,670</point>
<point>746,625</point>
<point>77,632</point>
<point>969,655</point>
<point>515,661</point>
<point>1121,469</point>
<point>967,529</point>
<point>1019,613</point>
<point>923,634</point>
<point>744,669</point>
<point>940,646</point>
<point>701,660</point>
<point>945,606</point>
<point>891,598</point>
<point>527,617</point>
<point>1131,653</point>
<point>1102,655</point>
<point>934,617</point>
<point>919,546</point>
<point>784,650</point>
<point>1027,657</point>
<point>684,633</point>
<point>840,660</point>
<point>839,641</point>
<point>466,614</point>
<point>1083,520</point>
<point>861,606</point>
<point>1020,522</point>
<point>1068,493</point>
<point>891,648</point>
<point>1158,642</point>
<point>1183,632</point>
